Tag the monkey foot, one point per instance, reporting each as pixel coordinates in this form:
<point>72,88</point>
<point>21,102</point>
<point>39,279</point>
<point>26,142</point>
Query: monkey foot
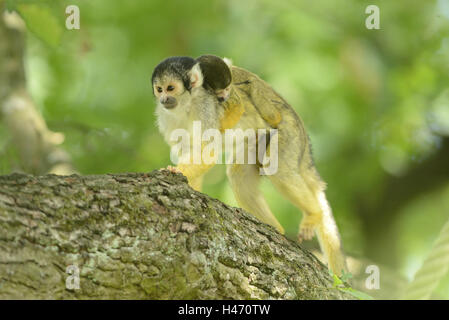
<point>305,233</point>
<point>171,169</point>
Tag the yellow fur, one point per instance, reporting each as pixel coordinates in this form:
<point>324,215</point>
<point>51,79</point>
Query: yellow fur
<point>253,104</point>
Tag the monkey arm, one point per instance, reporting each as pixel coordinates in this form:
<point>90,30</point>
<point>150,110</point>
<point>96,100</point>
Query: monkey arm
<point>267,107</point>
<point>195,171</point>
<point>249,88</point>
<point>267,102</point>
<point>233,110</point>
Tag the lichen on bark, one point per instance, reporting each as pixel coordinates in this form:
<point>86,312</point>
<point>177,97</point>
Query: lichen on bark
<point>143,236</point>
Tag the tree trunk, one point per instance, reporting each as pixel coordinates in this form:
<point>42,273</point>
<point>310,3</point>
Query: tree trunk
<point>143,236</point>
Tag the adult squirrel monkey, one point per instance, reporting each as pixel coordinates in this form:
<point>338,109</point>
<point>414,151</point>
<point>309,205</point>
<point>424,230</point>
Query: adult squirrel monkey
<point>222,96</point>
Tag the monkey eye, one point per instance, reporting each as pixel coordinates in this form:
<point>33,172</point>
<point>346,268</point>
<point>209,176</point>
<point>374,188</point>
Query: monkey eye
<point>170,88</point>
<point>159,89</point>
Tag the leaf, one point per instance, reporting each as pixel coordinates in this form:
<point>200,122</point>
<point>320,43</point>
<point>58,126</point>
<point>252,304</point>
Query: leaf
<point>340,285</point>
<point>346,276</point>
<point>337,281</point>
<point>41,21</point>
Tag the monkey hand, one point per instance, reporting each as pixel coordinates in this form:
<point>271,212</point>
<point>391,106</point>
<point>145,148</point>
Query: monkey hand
<point>233,111</point>
<point>171,169</point>
<point>307,228</point>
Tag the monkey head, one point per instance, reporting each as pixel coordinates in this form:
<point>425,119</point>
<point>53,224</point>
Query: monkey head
<point>217,76</point>
<point>174,79</point>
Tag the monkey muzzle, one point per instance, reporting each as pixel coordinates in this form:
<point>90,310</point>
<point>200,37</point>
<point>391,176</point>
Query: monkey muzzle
<point>168,102</point>
<point>223,95</point>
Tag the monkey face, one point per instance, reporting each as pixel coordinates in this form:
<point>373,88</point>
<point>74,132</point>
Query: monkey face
<point>168,92</point>
<point>174,80</point>
<point>223,94</point>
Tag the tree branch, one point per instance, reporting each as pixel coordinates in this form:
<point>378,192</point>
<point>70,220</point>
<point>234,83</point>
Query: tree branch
<point>136,236</point>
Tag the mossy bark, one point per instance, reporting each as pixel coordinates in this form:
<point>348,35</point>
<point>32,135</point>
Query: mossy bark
<point>143,236</point>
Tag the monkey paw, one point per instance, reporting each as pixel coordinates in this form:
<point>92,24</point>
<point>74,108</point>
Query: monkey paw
<point>171,169</point>
<point>306,232</point>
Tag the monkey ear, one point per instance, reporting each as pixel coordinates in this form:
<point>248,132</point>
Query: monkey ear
<point>228,62</point>
<point>196,76</point>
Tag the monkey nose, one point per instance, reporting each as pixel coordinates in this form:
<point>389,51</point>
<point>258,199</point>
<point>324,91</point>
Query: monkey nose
<point>169,102</point>
<point>223,97</point>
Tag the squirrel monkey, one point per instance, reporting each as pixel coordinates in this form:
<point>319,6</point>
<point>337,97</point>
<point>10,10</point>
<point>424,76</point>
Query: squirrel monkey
<point>222,97</point>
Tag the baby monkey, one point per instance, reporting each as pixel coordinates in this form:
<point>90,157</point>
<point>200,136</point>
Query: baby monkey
<point>223,96</point>
<point>217,76</point>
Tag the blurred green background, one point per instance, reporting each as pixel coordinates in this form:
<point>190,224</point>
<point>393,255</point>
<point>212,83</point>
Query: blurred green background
<point>375,102</point>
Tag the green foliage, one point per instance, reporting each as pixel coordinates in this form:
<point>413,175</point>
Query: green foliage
<point>340,284</point>
<point>41,21</point>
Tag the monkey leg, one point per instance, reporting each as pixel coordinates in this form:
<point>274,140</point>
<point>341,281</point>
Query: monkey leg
<point>295,189</point>
<point>244,180</point>
<point>317,215</point>
<point>196,182</point>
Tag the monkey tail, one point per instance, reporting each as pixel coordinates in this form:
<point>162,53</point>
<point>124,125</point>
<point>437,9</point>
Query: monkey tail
<point>329,238</point>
